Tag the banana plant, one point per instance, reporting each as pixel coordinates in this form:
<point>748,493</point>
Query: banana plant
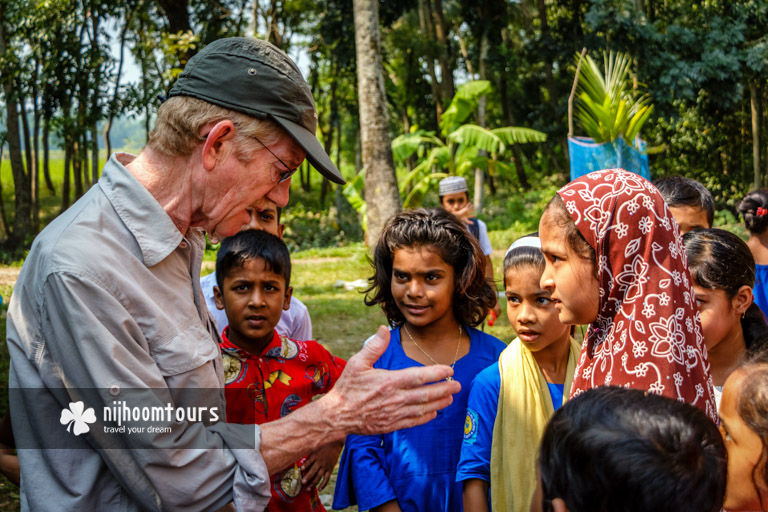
<point>459,148</point>
<point>608,107</point>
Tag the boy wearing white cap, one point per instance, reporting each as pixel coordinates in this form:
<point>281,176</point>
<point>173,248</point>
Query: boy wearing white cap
<point>454,197</point>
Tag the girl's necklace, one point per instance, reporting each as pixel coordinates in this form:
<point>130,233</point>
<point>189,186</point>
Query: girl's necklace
<point>455,357</point>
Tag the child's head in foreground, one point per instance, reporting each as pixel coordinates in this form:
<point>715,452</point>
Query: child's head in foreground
<point>530,308</point>
<point>451,259</point>
<point>253,274</point>
<point>617,449</point>
<point>689,201</point>
<point>754,208</point>
<point>744,426</point>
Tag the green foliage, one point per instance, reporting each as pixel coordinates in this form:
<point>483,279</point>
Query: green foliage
<point>608,108</point>
<point>464,147</point>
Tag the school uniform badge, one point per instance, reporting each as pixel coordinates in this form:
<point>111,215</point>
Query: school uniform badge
<point>470,427</point>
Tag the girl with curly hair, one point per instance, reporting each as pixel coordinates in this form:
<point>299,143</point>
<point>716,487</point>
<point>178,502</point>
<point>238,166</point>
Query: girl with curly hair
<point>430,281</point>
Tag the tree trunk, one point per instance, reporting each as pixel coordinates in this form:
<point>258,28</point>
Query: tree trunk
<point>443,54</point>
<point>425,23</point>
<point>36,152</point>
<point>30,161</point>
<point>116,92</point>
<point>381,192</point>
<point>483,69</point>
<point>65,182</point>
<point>77,162</point>
<point>23,201</point>
<point>177,14</point>
<point>755,102</point>
<point>46,156</point>
<point>517,155</point>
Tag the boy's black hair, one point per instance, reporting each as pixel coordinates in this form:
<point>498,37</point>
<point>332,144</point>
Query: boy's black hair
<point>679,191</point>
<point>720,260</point>
<point>473,295</point>
<point>249,245</point>
<point>613,448</point>
<point>747,207</point>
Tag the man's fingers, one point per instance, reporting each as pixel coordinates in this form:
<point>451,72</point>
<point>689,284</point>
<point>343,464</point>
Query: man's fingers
<point>420,375</point>
<point>372,350</point>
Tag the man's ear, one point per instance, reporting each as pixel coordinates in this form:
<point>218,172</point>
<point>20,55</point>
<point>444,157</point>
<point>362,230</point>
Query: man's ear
<point>215,147</point>
<point>280,228</point>
<point>288,295</point>
<point>558,505</point>
<point>218,298</point>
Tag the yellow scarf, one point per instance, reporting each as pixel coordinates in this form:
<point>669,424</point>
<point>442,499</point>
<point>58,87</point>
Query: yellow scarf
<point>525,406</point>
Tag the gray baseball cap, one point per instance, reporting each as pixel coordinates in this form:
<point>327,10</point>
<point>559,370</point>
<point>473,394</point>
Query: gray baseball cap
<point>256,78</point>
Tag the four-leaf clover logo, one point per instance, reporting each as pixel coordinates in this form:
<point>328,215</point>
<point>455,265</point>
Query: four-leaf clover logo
<point>75,415</point>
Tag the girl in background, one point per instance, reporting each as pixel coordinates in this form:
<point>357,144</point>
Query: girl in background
<point>510,402</point>
<point>744,426</point>
<point>754,209</point>
<point>723,273</point>
<point>615,261</point>
<point>430,281</point>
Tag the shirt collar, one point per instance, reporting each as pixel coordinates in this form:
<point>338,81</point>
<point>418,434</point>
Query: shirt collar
<point>147,221</point>
<point>230,347</point>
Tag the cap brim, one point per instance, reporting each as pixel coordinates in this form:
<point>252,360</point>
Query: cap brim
<point>315,152</point>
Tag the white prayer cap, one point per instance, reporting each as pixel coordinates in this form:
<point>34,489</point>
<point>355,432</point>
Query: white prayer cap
<point>452,184</point>
<point>526,241</point>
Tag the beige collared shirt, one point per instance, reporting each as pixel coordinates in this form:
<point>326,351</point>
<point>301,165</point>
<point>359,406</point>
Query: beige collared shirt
<point>107,307</point>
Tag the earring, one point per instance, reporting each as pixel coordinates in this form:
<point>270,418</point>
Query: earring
<point>743,315</point>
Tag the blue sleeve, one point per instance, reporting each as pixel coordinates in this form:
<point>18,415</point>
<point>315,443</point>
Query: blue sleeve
<point>363,478</point>
<point>475,460</point>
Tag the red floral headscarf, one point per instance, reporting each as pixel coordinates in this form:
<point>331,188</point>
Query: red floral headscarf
<point>647,334</point>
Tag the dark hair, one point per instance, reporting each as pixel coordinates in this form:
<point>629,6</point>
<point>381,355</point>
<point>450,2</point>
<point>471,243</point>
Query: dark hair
<point>252,244</point>
<point>752,406</point>
<point>720,260</point>
<point>473,295</point>
<point>747,207</point>
<point>573,236</point>
<point>680,191</point>
<point>613,448</point>
<point>524,257</point>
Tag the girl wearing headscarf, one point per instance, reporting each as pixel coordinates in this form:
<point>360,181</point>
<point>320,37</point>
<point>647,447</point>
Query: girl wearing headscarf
<point>616,261</point>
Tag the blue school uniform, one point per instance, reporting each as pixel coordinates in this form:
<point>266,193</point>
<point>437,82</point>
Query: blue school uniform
<point>415,466</point>
<point>760,291</point>
<point>475,460</point>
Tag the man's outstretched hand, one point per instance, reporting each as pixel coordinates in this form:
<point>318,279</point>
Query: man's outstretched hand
<point>374,401</point>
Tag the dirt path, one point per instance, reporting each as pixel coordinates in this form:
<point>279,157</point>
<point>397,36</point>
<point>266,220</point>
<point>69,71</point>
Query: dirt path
<point>8,275</point>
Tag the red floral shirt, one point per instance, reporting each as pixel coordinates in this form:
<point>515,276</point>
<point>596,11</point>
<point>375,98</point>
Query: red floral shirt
<point>264,387</point>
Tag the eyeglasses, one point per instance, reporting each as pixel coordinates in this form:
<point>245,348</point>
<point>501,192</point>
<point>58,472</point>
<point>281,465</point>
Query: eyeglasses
<point>284,175</point>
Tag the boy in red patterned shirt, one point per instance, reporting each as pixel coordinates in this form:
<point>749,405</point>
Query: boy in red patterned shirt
<point>268,376</point>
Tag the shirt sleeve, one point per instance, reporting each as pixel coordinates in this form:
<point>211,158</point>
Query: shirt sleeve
<point>485,242</point>
<point>100,352</point>
<point>363,477</point>
<point>475,459</point>
<point>302,323</point>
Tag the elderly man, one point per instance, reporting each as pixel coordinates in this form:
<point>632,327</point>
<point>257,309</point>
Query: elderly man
<point>107,327</point>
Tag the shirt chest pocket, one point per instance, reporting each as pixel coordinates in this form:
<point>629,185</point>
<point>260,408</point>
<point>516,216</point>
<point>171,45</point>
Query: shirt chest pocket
<point>186,349</point>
